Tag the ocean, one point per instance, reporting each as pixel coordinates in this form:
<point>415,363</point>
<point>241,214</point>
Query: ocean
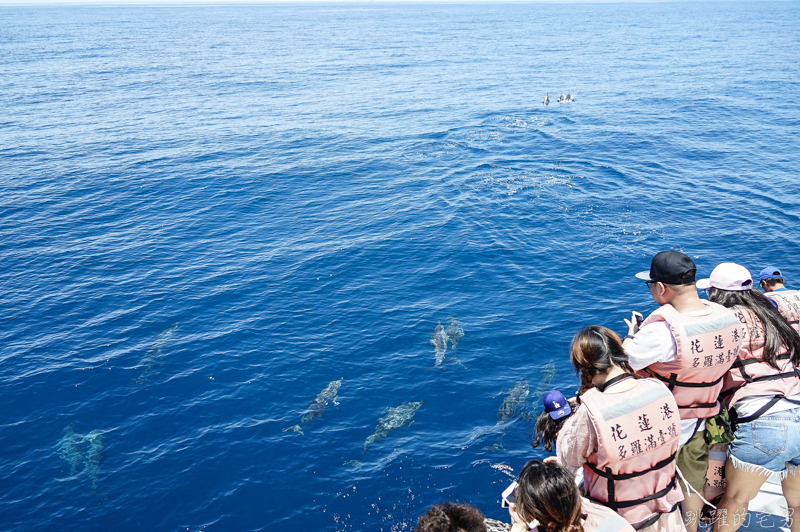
<point>219,222</point>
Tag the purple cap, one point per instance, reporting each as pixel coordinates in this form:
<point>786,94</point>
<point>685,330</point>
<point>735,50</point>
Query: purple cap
<point>556,404</point>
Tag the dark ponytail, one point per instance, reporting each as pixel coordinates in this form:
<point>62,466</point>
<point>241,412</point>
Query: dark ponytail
<point>779,336</point>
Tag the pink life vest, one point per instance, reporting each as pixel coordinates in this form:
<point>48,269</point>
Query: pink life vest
<point>706,347</point>
<point>600,519</point>
<point>750,376</point>
<point>788,302</point>
<point>633,469</point>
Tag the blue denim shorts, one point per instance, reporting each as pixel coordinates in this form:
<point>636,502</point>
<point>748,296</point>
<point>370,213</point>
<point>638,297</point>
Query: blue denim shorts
<point>769,442</point>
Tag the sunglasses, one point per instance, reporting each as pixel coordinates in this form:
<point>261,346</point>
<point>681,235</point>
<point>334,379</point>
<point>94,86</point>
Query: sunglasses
<point>650,283</point>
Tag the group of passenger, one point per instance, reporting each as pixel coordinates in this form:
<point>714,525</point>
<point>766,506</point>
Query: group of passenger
<point>686,416</point>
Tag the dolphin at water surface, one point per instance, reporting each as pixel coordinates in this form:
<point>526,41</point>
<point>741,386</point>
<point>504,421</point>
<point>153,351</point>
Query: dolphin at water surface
<point>319,405</point>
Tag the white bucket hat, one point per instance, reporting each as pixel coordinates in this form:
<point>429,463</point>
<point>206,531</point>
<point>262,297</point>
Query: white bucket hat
<point>728,276</point>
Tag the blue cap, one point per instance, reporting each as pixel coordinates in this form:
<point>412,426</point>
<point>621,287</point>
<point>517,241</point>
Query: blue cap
<point>769,273</point>
<point>556,404</point>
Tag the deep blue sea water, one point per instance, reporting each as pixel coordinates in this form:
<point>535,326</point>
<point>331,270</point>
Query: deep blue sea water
<point>207,214</point>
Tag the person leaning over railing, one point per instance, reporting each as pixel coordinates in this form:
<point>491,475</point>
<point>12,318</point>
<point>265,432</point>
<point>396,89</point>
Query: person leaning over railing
<point>762,391</point>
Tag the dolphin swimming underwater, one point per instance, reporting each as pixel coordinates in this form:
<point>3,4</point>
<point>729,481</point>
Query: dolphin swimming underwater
<point>513,399</point>
<point>439,343</point>
<point>152,358</point>
<point>454,332</point>
<point>509,409</point>
<point>319,405</point>
<point>83,452</point>
<point>548,372</point>
<point>439,338</point>
<point>393,418</point>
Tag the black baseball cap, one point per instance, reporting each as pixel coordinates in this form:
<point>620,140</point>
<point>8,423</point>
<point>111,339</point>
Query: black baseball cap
<point>670,267</point>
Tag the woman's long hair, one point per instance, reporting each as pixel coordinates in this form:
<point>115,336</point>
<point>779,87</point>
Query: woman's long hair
<point>547,493</point>
<point>778,334</point>
<point>595,349</point>
<point>547,428</point>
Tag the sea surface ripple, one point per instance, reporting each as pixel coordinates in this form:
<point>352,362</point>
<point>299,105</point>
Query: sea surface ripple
<point>208,214</point>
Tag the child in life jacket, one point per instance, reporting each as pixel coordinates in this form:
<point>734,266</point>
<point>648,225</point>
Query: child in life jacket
<point>624,436</point>
<point>545,499</point>
<point>763,385</point>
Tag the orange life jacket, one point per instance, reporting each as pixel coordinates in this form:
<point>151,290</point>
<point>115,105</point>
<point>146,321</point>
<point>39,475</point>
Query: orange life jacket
<point>706,348</point>
<point>633,469</point>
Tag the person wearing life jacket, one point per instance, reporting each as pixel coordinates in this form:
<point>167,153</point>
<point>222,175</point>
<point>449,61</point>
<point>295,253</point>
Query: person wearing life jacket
<point>762,391</point>
<point>689,344</point>
<point>786,301</point>
<point>624,437</point>
<point>546,499</point>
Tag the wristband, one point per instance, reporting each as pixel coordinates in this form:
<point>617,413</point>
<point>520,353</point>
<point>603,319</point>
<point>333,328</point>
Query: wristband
<point>627,336</point>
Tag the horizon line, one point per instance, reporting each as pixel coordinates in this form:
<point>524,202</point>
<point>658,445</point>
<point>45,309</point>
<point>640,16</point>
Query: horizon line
<point>206,3</point>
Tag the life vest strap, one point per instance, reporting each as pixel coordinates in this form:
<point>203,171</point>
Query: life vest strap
<point>739,362</point>
<point>673,381</point>
<point>625,476</point>
<point>703,405</point>
<point>613,504</point>
<point>760,412</point>
<point>653,518</point>
<point>618,378</point>
<point>647,522</point>
<point>765,378</point>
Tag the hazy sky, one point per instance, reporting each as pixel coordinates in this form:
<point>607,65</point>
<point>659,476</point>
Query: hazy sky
<point>233,2</point>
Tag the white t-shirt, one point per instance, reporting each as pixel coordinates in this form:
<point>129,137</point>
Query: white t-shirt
<point>654,343</point>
